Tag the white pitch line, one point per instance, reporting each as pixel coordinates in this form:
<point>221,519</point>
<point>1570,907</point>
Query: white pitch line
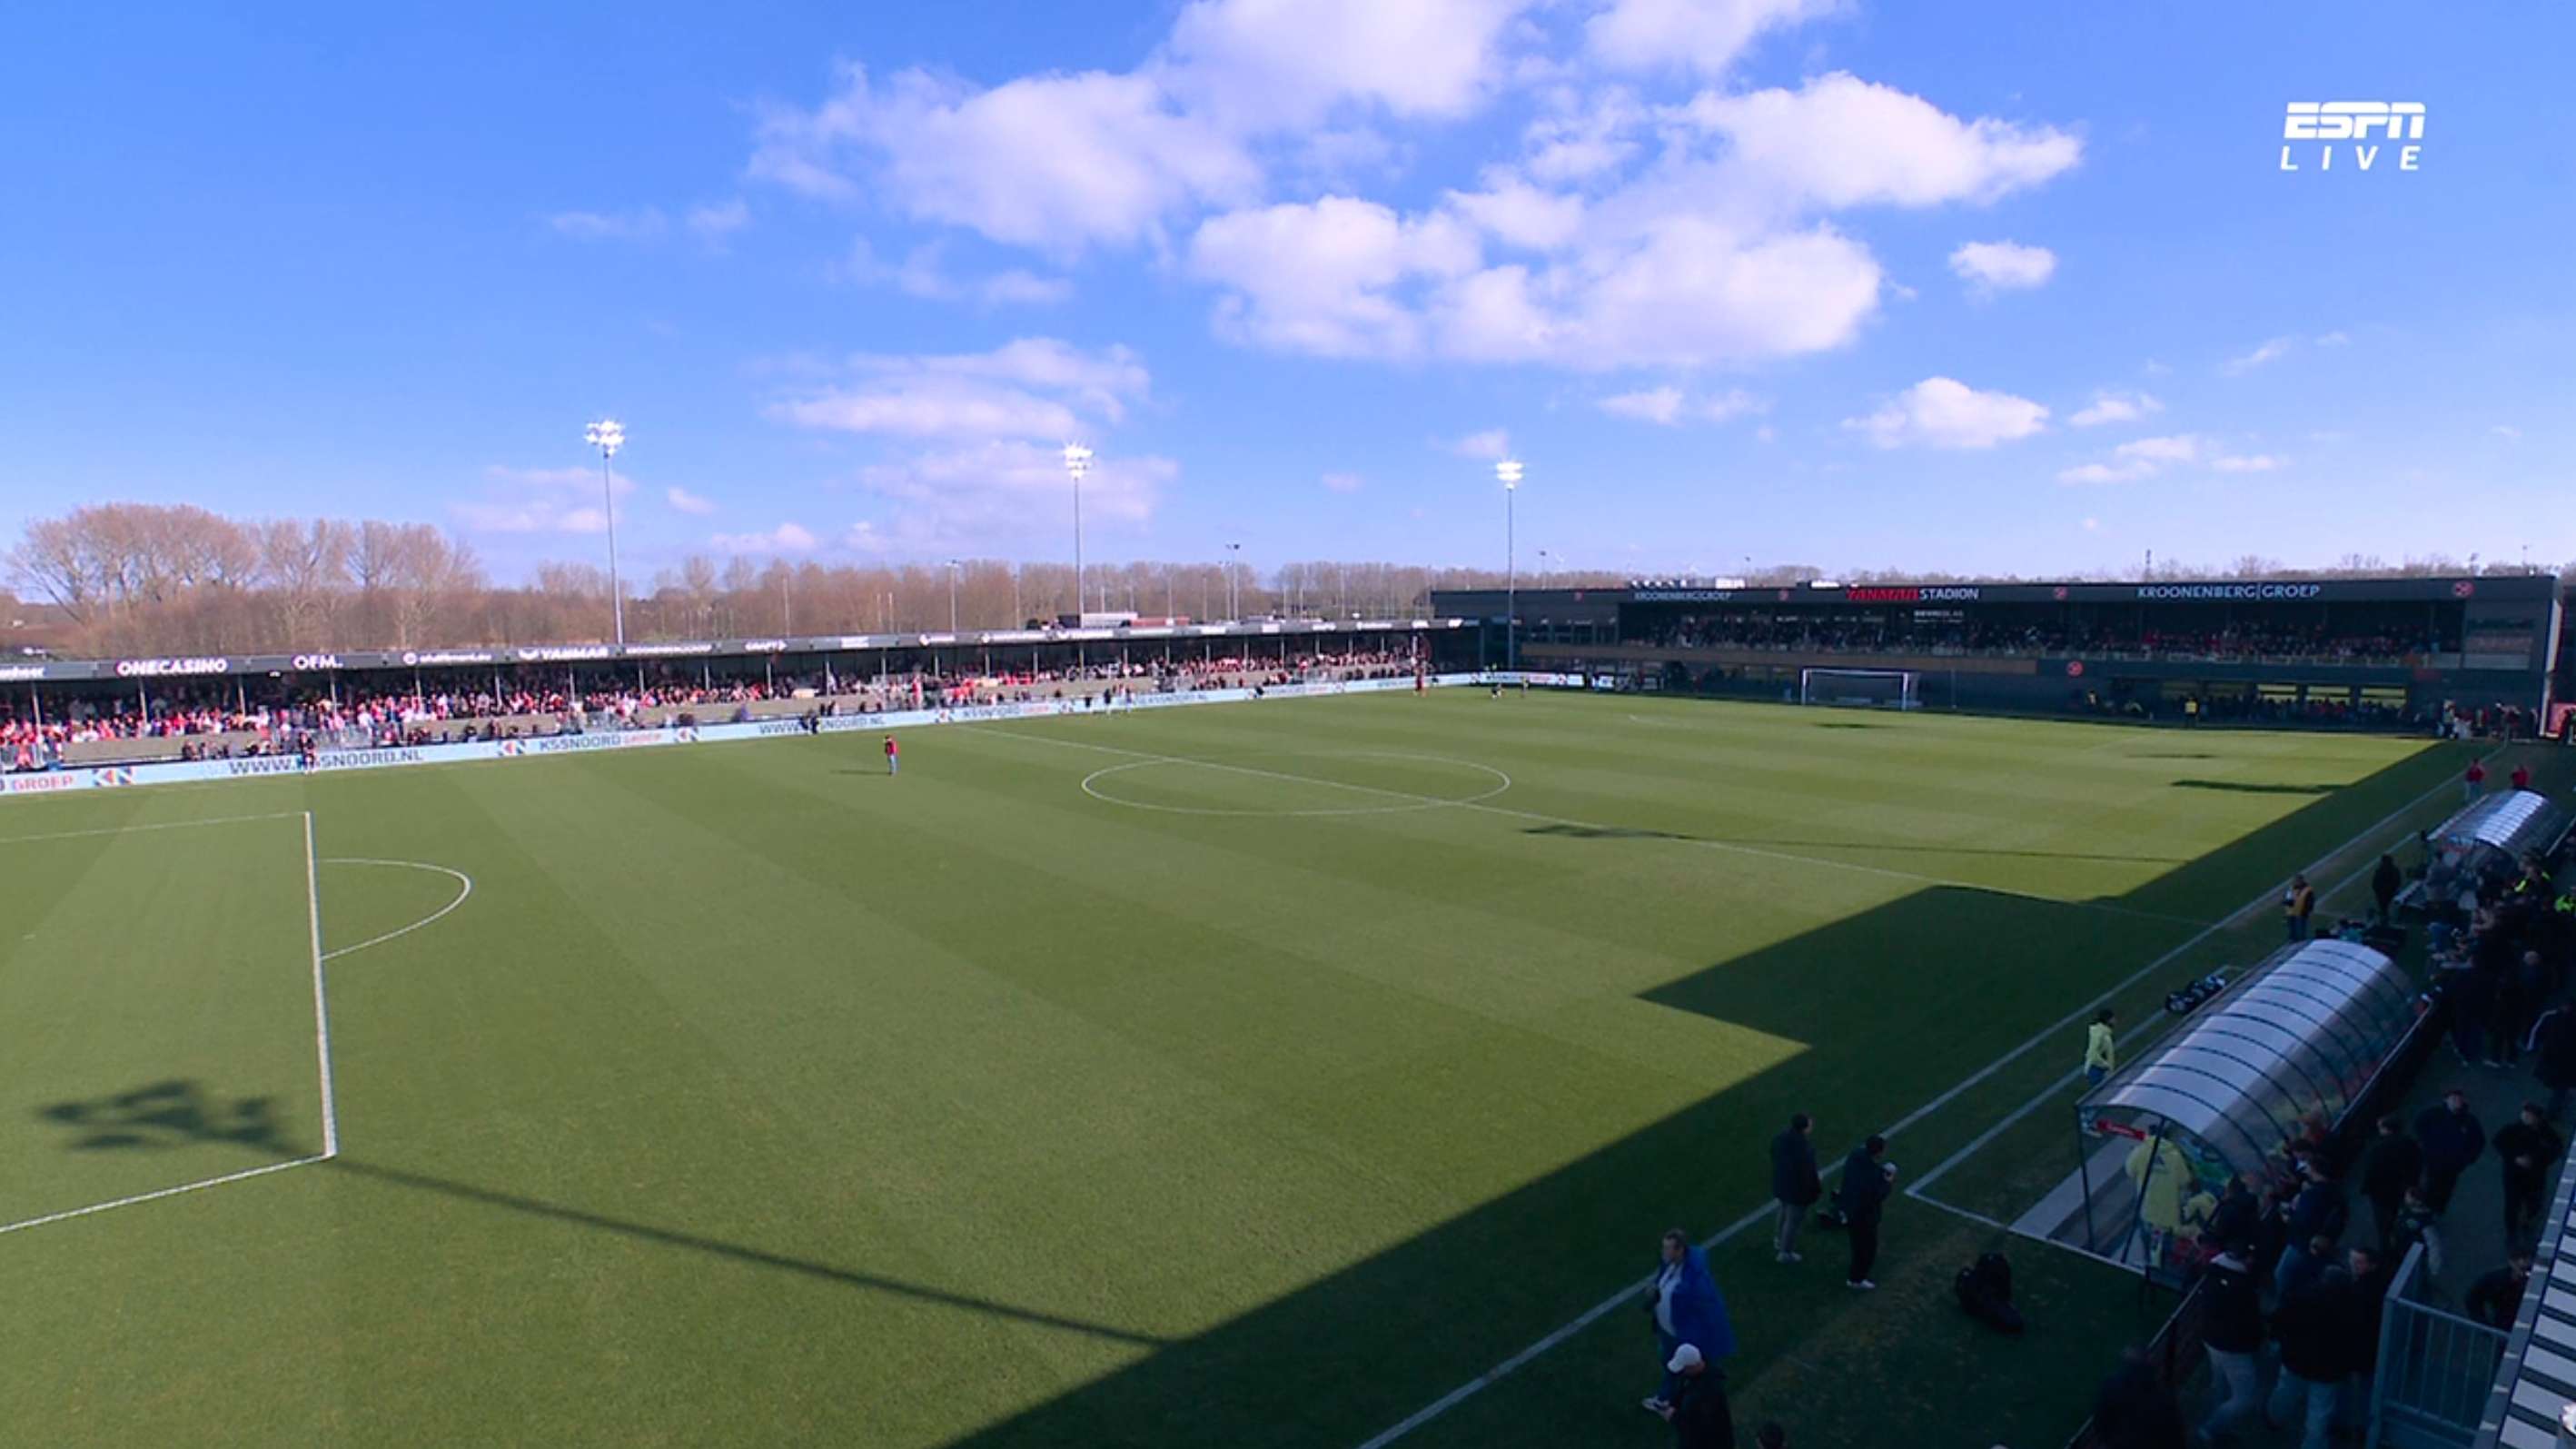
<point>162,825</point>
<point>463,880</point>
<point>142,1197</point>
<point>1628,1294</point>
<point>1728,846</point>
<point>321,1001</point>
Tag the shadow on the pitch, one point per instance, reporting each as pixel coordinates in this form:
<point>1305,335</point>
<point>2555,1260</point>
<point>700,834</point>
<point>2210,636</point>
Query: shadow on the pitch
<point>167,1114</point>
<point>2248,787</point>
<point>178,1113</point>
<point>1570,831</point>
<point>1848,724</point>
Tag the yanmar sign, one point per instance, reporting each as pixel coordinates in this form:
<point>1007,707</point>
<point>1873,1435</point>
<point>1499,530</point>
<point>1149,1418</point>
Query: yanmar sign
<point>2229,591</point>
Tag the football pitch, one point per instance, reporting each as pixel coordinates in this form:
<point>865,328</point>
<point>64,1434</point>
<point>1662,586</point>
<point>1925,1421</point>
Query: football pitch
<point>1256,1075</point>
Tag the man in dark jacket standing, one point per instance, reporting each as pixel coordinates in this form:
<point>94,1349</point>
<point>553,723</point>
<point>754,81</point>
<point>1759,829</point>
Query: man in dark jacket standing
<point>2528,1147</point>
<point>2232,1330</point>
<point>2395,1163</point>
<point>2554,1038</point>
<point>2385,883</point>
<point>1866,1183</point>
<point>1700,1414</point>
<point>2452,1139</point>
<point>1794,1183</point>
<point>2316,1344</point>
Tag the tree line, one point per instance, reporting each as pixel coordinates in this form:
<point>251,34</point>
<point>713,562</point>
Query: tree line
<point>136,578</point>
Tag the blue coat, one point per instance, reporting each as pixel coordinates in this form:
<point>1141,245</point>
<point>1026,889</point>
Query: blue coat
<point>1699,1311</point>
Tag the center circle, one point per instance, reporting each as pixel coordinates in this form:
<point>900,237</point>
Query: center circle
<point>1278,772</point>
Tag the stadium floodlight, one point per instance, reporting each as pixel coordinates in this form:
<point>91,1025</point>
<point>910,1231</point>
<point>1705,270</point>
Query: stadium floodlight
<point>608,435</point>
<point>1233,582</point>
<point>1077,461</point>
<point>1509,470</point>
<point>954,565</point>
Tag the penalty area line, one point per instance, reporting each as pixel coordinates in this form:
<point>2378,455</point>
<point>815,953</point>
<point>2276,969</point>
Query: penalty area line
<point>143,1197</point>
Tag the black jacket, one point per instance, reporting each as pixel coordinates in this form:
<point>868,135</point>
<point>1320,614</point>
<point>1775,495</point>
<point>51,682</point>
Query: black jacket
<point>1702,1418</point>
<point>2238,1220</point>
<point>2135,1411</point>
<point>2317,1212</point>
<point>1864,1190</point>
<point>2386,881</point>
<point>1793,1169</point>
<point>2518,1138</point>
<point>2555,1036</point>
<point>2313,1328</point>
<point>2395,1164</point>
<point>2233,1321</point>
<point>2496,1299</point>
<point>2452,1140</point>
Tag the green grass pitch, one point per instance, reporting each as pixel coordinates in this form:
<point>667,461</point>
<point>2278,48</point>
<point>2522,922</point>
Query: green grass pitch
<point>1186,1077</point>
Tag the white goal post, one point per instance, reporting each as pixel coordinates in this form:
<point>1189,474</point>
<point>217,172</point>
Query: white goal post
<point>1861,688</point>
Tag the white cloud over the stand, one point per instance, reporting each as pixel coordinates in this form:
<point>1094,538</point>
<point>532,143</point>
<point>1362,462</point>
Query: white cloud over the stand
<point>1942,412</point>
<point>2003,266</point>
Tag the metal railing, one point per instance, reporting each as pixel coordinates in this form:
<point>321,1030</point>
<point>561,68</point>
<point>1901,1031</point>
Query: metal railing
<point>2435,1369</point>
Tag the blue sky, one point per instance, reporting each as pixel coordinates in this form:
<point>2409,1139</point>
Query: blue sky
<point>1968,287</point>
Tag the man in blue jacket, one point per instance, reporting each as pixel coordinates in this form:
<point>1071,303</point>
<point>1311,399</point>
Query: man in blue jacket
<point>1687,1309</point>
<point>1794,1183</point>
<point>2452,1139</point>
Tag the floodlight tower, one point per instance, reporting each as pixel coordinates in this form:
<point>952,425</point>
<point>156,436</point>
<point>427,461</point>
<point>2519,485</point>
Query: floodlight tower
<point>608,435</point>
<point>1077,461</point>
<point>1509,471</point>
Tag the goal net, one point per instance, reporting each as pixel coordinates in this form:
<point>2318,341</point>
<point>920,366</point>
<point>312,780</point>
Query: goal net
<point>1861,688</point>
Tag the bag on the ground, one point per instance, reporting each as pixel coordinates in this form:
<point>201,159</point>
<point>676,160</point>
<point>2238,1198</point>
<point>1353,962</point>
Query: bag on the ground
<point>1984,1288</point>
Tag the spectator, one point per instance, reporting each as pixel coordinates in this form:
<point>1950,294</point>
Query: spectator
<point>2100,1048</point>
<point>1867,1181</point>
<point>2554,1038</point>
<point>2370,1278</point>
<point>1699,1413</point>
<point>2311,1328</point>
<point>2418,1224</point>
<point>2496,1298</point>
<point>2521,776</point>
<point>1687,1312</point>
<point>2474,782</point>
<point>2298,903</point>
<point>2452,1139</point>
<point>1794,1183</point>
<point>2395,1163</point>
<point>2135,1409</point>
<point>2316,1215</point>
<point>2237,1221</point>
<point>2232,1330</point>
<point>2385,883</point>
<point>2526,1147</point>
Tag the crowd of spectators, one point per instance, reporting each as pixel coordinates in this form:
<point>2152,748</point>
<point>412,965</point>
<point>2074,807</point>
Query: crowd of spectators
<point>220,720</point>
<point>1950,633</point>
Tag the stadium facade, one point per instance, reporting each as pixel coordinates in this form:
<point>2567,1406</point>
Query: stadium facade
<point>2366,651</point>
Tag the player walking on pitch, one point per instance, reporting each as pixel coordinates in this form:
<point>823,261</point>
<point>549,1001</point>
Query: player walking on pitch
<point>894,756</point>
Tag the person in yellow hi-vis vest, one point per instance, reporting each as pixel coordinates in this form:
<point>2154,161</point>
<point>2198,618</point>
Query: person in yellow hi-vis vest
<point>2161,1174</point>
<point>2099,1049</point>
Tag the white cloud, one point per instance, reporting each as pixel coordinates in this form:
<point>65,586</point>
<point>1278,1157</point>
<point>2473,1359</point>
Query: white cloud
<point>2115,407</point>
<point>1669,405</point>
<point>2003,266</point>
<point>785,538</point>
<point>1703,35</point>
<point>716,222</point>
<point>2271,351</point>
<point>1493,445</point>
<point>2092,525</point>
<point>2506,431</point>
<point>1034,387</point>
<point>1941,412</point>
<point>2247,463</point>
<point>688,502</point>
<point>1006,493</point>
<point>923,274</point>
<point>1261,65</point>
<point>1839,141</point>
<point>2095,473</point>
<point>2176,448</point>
<point>1056,161</point>
<point>637,225</point>
<point>1325,277</point>
<point>1342,482</point>
<point>2333,339</point>
<point>1518,214</point>
<point>539,500</point>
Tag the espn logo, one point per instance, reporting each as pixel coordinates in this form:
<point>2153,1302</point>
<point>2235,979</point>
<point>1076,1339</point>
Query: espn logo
<point>2367,125</point>
<point>2353,121</point>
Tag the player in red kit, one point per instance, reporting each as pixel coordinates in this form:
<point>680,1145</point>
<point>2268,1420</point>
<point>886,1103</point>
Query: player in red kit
<point>894,757</point>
